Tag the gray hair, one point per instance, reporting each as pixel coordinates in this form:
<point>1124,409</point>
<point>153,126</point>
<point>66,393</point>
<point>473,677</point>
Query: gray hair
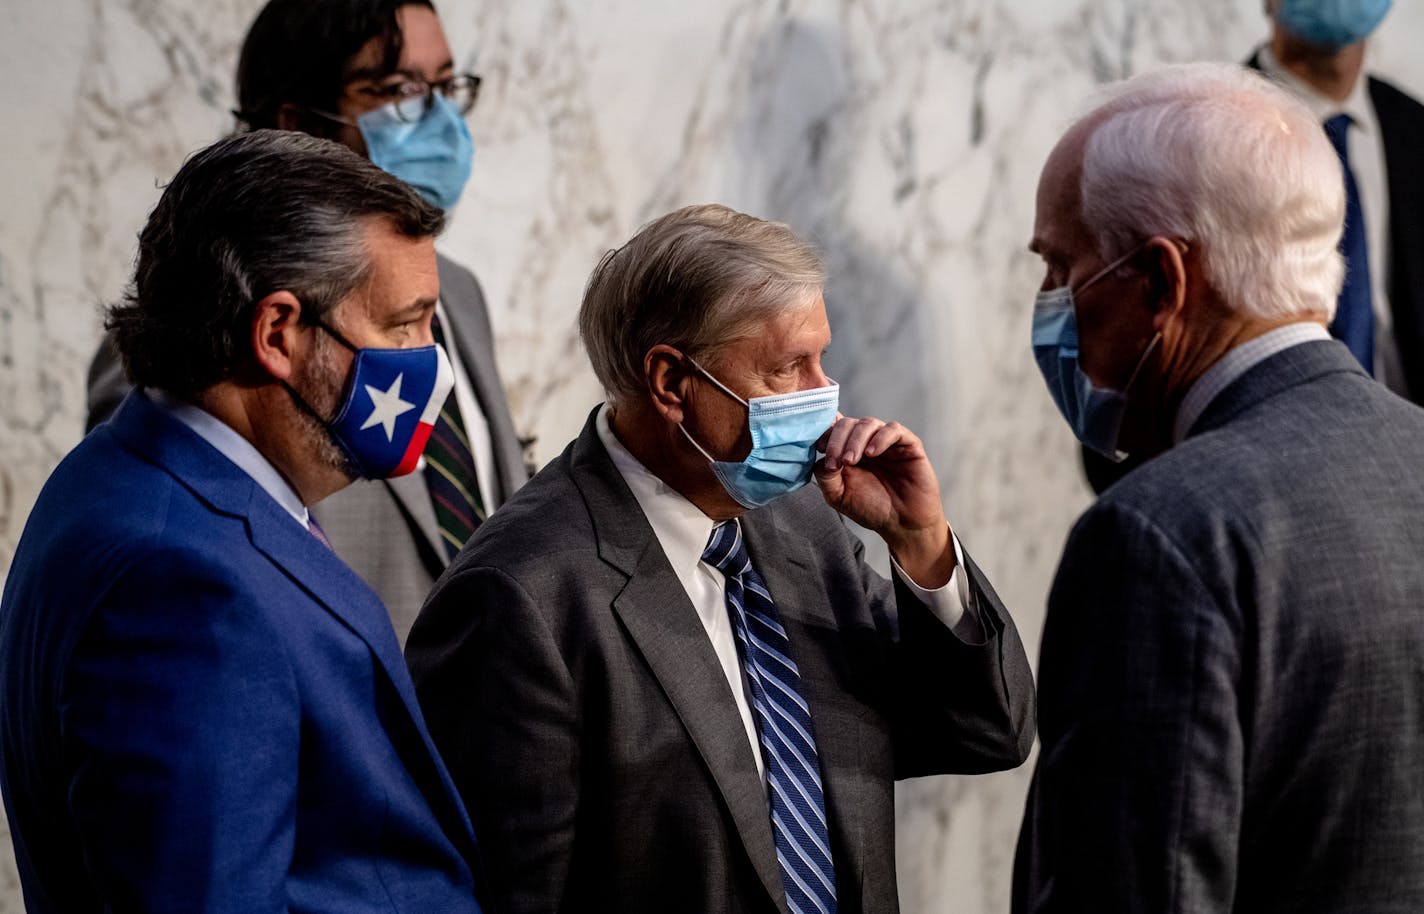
<point>1225,160</point>
<point>695,279</point>
<point>250,215</point>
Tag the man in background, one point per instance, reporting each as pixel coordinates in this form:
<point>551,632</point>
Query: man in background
<point>201,707</point>
<point>1231,704</point>
<point>1317,51</point>
<point>378,77</point>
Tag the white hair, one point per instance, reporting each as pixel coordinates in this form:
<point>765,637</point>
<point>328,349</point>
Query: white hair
<point>1223,159</point>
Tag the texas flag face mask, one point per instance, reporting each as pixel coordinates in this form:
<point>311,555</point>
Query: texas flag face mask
<point>392,401</point>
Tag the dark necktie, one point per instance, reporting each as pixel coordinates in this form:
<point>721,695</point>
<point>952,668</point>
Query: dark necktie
<point>450,472</point>
<point>793,770</point>
<point>1354,323</point>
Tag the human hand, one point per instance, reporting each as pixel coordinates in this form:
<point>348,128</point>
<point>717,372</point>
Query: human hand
<point>878,475</point>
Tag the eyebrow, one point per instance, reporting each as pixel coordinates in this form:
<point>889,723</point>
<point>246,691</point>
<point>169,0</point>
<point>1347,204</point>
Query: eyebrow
<point>413,310</point>
<point>377,73</point>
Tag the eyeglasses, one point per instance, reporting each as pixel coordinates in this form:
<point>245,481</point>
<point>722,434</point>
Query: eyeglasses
<point>411,98</point>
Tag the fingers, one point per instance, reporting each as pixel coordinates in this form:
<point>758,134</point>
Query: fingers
<point>826,435</point>
<point>851,440</point>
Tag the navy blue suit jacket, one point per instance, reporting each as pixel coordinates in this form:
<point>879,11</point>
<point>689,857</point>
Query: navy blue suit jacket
<point>203,708</point>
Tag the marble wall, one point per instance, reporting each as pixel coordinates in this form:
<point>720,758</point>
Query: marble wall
<point>904,136</point>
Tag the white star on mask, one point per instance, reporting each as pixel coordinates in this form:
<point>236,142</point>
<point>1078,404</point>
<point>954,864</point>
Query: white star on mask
<point>387,406</point>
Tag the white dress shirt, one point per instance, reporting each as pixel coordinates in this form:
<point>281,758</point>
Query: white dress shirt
<point>1236,363</point>
<point>235,448</point>
<point>476,425</point>
<point>683,531</point>
<point>1366,151</point>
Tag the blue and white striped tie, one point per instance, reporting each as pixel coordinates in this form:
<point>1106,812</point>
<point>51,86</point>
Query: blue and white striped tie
<point>793,768</point>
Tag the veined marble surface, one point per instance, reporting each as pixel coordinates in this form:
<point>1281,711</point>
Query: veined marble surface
<point>903,136</point>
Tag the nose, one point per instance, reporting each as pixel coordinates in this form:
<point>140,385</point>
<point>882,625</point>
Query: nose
<point>817,377</point>
<point>427,330</point>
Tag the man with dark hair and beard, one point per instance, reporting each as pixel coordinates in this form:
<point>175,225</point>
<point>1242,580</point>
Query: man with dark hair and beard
<point>201,707</point>
<point>378,77</point>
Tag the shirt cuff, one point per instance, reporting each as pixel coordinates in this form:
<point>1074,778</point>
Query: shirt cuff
<point>953,603</point>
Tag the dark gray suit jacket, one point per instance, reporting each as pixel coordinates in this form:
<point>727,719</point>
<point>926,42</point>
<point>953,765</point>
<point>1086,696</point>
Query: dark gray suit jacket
<point>577,698</point>
<point>386,529</point>
<point>1232,668</point>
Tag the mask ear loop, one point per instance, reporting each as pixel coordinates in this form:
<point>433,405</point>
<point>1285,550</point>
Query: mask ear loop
<point>1110,267</point>
<point>693,441</point>
<point>680,427</point>
<point>723,387</point>
<point>331,332</point>
<point>1156,337</point>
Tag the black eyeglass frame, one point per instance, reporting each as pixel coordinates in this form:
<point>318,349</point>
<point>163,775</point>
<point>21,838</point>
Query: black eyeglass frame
<point>401,95</point>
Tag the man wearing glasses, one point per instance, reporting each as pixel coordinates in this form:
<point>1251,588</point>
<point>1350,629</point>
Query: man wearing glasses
<point>378,77</point>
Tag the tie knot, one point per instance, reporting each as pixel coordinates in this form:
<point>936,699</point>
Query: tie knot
<point>725,550</point>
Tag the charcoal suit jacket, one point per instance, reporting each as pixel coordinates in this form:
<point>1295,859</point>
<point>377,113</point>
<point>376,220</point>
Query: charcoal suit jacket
<point>578,700</point>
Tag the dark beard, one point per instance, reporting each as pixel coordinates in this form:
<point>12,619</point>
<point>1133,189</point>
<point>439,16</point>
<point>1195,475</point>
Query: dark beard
<point>323,386</point>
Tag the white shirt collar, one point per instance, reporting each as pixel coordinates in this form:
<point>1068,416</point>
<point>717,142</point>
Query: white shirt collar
<point>681,527</point>
<point>1357,104</point>
<point>235,448</point>
<point>1236,363</point>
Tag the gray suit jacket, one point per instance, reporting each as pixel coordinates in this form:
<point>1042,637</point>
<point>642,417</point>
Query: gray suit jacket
<point>385,529</point>
<point>577,698</point>
<point>1232,669</point>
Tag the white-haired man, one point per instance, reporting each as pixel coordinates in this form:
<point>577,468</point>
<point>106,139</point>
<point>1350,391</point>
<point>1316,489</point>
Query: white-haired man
<point>1317,50</point>
<point>1232,705</point>
<point>662,674</point>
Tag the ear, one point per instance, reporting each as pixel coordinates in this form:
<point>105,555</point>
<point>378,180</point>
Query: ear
<point>1167,274</point>
<point>666,372</point>
<point>277,336</point>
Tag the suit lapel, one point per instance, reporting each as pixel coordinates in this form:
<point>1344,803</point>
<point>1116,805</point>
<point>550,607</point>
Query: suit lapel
<point>1401,129</point>
<point>333,584</point>
<point>664,626</point>
<point>315,568</point>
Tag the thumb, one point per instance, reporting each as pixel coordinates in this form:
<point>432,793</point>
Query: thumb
<point>830,482</point>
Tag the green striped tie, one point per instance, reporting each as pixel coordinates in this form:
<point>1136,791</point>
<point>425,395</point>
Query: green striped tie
<point>450,472</point>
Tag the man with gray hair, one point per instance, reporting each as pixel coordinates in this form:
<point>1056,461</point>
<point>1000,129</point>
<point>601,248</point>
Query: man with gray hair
<point>662,675</point>
<point>202,708</point>
<point>1232,667</point>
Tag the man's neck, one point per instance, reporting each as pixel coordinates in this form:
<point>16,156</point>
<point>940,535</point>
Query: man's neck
<point>1332,73</point>
<point>1185,362</point>
<point>266,417</point>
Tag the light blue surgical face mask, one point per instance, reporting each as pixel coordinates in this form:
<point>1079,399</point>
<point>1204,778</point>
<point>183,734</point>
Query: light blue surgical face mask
<point>784,429</point>
<point>1331,23</point>
<point>1094,413</point>
<point>434,154</point>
